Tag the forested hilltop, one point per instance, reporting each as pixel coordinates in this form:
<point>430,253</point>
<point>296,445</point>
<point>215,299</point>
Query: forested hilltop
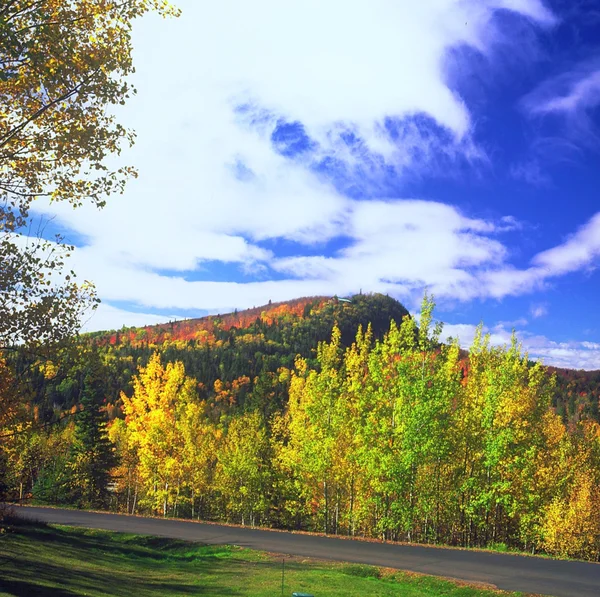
<point>243,351</point>
<point>238,354</point>
<point>327,414</point>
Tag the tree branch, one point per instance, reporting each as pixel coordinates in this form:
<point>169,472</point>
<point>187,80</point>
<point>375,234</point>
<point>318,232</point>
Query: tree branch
<point>4,140</point>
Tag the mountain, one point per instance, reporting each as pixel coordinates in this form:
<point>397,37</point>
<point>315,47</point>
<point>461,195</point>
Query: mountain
<point>242,353</point>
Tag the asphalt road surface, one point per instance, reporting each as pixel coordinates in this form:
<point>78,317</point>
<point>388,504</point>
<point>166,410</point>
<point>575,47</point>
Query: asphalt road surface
<point>508,572</point>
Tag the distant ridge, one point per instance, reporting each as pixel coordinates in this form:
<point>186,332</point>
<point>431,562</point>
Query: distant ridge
<point>193,328</point>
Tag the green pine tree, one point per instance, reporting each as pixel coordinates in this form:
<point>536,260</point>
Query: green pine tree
<point>92,454</point>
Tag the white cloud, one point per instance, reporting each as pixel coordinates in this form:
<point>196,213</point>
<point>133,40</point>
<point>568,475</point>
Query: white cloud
<point>509,325</point>
<point>416,245</point>
<point>212,187</point>
<point>510,281</point>
<point>581,250</point>
<point>530,171</point>
<point>534,10</point>
<point>573,354</point>
<point>591,345</point>
<point>406,245</point>
<point>463,332</point>
<point>398,247</point>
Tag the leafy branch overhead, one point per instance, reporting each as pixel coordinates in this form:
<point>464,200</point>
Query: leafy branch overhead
<point>63,65</point>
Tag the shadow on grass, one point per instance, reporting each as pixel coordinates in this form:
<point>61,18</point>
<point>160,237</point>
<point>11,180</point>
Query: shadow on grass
<point>128,546</point>
<point>22,588</point>
<point>50,561</point>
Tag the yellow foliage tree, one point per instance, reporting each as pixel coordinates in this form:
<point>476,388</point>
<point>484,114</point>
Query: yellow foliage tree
<point>152,415</point>
<point>126,473</point>
<point>572,525</point>
<point>243,470</point>
<point>200,443</point>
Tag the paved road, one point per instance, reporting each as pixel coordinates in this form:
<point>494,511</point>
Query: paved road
<point>509,572</point>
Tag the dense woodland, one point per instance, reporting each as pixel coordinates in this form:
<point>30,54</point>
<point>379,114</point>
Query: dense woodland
<point>321,414</point>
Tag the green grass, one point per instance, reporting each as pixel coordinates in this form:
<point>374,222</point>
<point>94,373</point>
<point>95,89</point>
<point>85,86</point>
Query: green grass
<point>65,561</point>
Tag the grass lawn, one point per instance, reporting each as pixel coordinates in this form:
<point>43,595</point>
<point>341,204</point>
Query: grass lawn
<point>65,561</point>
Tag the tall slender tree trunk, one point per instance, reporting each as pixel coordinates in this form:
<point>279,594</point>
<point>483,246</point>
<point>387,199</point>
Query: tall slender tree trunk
<point>436,530</point>
<point>337,512</point>
<point>128,488</point>
<point>135,494</point>
<point>351,525</point>
<point>326,492</point>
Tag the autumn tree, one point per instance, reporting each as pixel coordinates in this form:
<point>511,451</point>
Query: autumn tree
<point>571,524</point>
<point>289,505</point>
<point>152,415</point>
<point>200,446</point>
<point>9,405</point>
<point>316,413</point>
<point>242,475</point>
<point>63,65</point>
<point>404,431</point>
<point>10,430</point>
<point>397,437</point>
<point>126,473</point>
<point>53,483</point>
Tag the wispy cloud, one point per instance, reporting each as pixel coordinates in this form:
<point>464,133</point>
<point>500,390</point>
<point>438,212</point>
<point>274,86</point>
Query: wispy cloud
<point>396,247</point>
<point>531,172</point>
<point>538,310</point>
<point>580,251</point>
<point>510,325</point>
<point>569,97</point>
<point>568,93</point>
<point>107,317</point>
<point>405,245</point>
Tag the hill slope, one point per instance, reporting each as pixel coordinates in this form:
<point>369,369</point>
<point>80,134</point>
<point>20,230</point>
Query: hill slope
<point>242,352</point>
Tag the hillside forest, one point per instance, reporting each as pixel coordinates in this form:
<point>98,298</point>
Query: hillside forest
<point>339,416</point>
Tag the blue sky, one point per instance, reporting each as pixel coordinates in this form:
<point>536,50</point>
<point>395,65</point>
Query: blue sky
<point>294,149</point>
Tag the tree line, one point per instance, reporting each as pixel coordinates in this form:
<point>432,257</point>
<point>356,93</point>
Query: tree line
<point>398,438</point>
